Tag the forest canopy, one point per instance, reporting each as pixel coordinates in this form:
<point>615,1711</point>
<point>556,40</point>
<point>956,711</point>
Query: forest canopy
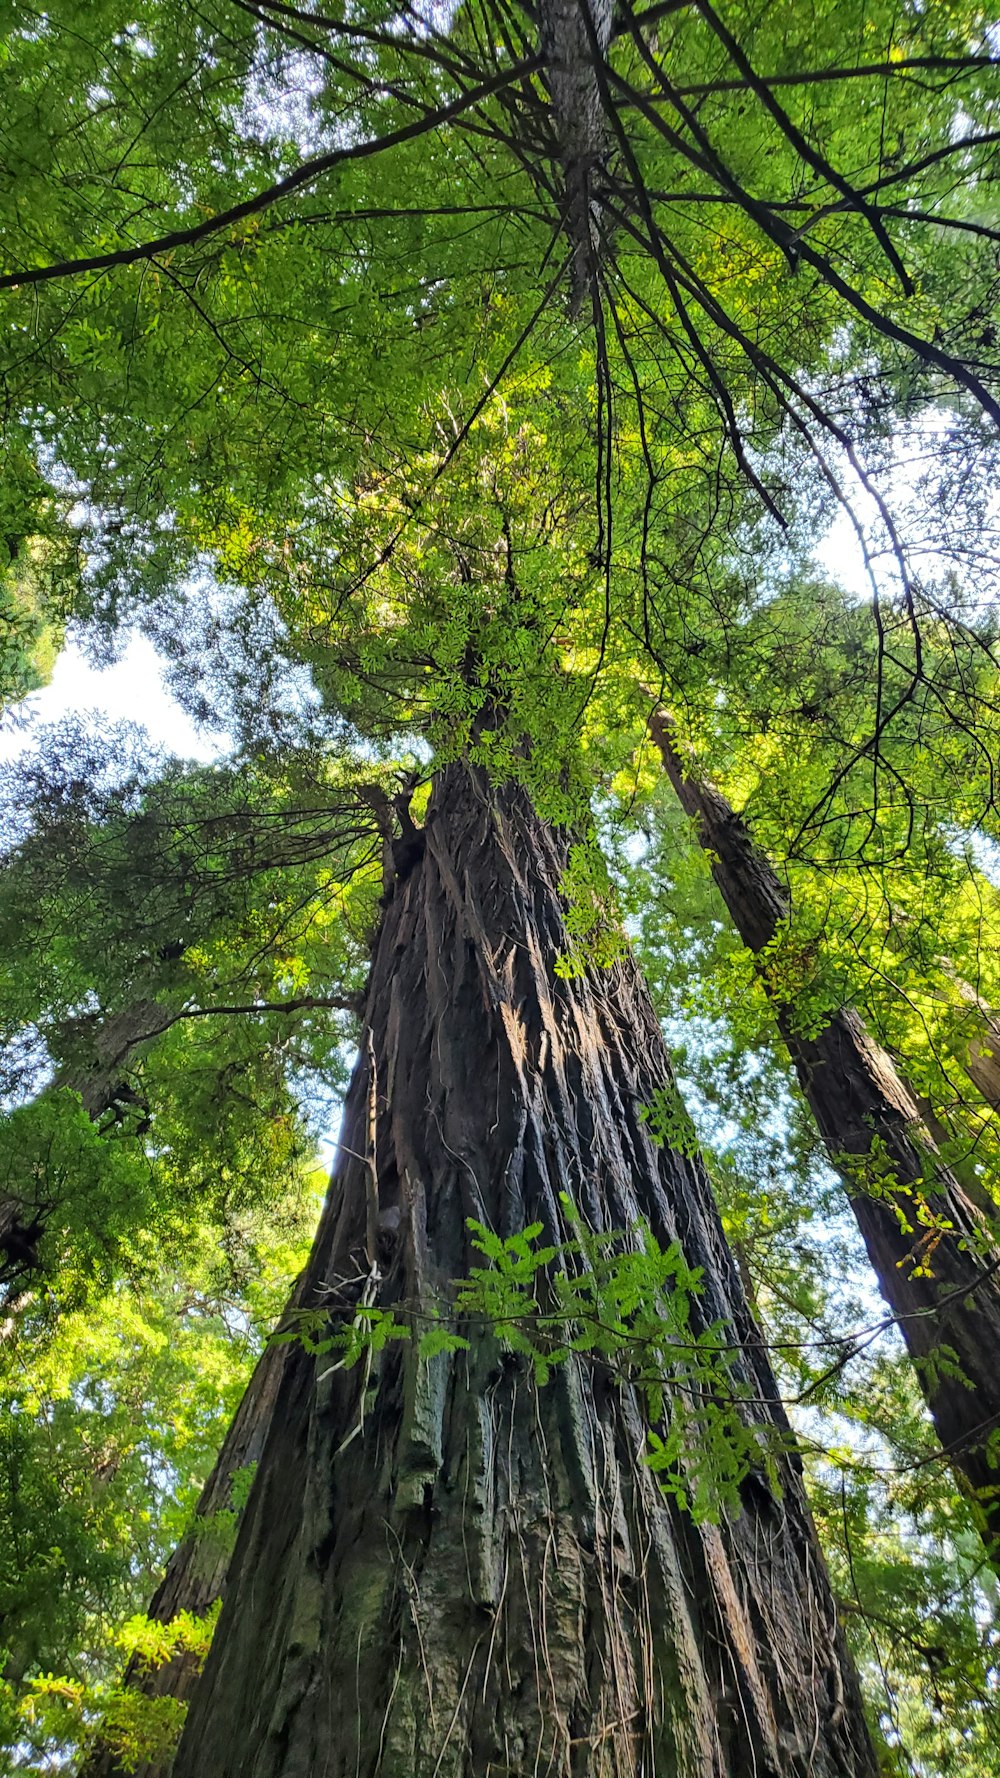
<point>554,451</point>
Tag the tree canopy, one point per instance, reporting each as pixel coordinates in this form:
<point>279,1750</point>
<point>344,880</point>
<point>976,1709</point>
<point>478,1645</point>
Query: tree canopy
<point>468,384</point>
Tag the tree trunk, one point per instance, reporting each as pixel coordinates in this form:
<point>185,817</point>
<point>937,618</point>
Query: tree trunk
<point>963,1166</point>
<point>982,1062</point>
<point>445,1570</point>
<point>24,1220</point>
<point>979,1052</point>
<point>859,1101</point>
<point>580,126</point>
<point>196,1573</point>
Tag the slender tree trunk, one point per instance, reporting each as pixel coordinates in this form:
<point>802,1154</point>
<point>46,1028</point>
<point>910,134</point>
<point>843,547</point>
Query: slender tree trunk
<point>944,1138</point>
<point>579,121</point>
<point>980,1051</point>
<point>444,1570</point>
<point>858,1100</point>
<point>982,1063</point>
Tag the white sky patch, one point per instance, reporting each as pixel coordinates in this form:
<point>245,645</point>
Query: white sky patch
<point>133,689</point>
<point>984,853</point>
<point>840,556</point>
<point>946,516</point>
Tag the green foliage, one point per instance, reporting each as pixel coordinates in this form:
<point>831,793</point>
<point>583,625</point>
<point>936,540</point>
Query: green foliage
<point>670,1123</point>
<point>110,1419</point>
<point>629,1307</point>
<point>181,957</point>
<point>619,1303</point>
<point>368,1332</point>
<point>136,1726</point>
<point>30,630</point>
<point>592,916</point>
<point>918,1605</point>
<point>59,1713</point>
<point>893,906</point>
<point>384,499</point>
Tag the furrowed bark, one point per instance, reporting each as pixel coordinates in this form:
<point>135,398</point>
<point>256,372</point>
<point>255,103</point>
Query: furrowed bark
<point>445,1571</point>
<point>578,115</point>
<point>859,1100</point>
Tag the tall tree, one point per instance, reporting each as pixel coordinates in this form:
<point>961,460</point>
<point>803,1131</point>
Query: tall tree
<point>273,277</point>
<point>934,1252</point>
<point>445,1567</point>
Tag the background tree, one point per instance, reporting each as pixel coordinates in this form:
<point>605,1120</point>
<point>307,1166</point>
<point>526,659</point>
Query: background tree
<point>933,1248</point>
<point>476,506</point>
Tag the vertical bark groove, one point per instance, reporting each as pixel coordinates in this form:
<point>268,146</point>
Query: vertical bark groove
<point>857,1096</point>
<point>445,1571</point>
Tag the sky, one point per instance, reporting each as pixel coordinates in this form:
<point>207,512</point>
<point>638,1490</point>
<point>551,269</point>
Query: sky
<point>133,690</point>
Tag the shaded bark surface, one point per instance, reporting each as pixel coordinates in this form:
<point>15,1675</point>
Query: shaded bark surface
<point>579,120</point>
<point>857,1096</point>
<point>445,1571</point>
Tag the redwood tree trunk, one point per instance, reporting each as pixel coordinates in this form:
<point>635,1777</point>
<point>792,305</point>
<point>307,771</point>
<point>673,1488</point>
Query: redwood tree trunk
<point>858,1098</point>
<point>445,1571</point>
<point>980,1055</point>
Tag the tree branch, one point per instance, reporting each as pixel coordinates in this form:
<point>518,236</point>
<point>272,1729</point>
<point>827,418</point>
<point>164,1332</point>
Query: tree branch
<point>303,175</point>
<point>863,71</point>
<point>303,1003</point>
